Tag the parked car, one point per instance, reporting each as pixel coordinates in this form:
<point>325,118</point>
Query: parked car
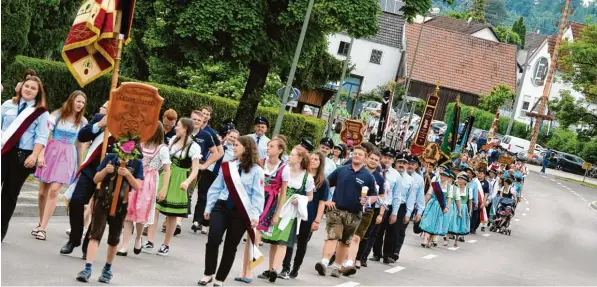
<point>537,158</point>
<point>439,127</point>
<point>516,145</point>
<point>567,162</point>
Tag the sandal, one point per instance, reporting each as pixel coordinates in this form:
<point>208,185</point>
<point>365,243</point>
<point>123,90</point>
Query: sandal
<point>446,241</point>
<point>455,244</point>
<point>41,235</point>
<point>35,230</point>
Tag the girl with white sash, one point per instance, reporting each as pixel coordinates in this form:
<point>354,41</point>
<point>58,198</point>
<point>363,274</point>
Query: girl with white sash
<point>24,121</point>
<point>234,204</point>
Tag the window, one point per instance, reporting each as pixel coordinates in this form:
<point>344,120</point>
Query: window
<point>525,105</point>
<point>343,48</point>
<point>392,6</point>
<point>375,56</point>
<point>540,71</point>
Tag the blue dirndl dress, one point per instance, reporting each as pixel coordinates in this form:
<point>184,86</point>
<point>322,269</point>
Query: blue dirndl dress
<point>434,221</point>
<point>460,225</point>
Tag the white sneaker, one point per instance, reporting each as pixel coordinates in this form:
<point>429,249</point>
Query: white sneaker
<point>68,232</point>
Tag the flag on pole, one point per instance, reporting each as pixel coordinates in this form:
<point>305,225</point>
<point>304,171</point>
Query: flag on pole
<point>451,134</point>
<point>90,47</point>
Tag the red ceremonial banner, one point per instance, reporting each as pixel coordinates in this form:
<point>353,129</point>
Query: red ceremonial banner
<point>418,145</point>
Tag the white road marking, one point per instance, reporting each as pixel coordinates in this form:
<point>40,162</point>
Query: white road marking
<point>516,219</point>
<point>559,183</point>
<point>472,241</point>
<point>564,186</point>
<point>430,256</point>
<point>486,234</point>
<point>524,214</point>
<point>395,269</point>
<point>453,248</point>
<point>553,179</point>
<point>348,284</point>
<point>528,209</point>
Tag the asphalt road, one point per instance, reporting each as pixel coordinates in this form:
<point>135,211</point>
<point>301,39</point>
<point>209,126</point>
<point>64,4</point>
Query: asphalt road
<point>553,242</point>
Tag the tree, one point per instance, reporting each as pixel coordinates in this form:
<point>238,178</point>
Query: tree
<point>519,28</point>
<point>16,19</point>
<point>495,12</point>
<point>461,15</point>
<point>506,35</point>
<point>572,113</point>
<point>477,11</point>
<point>496,98</point>
<point>578,63</point>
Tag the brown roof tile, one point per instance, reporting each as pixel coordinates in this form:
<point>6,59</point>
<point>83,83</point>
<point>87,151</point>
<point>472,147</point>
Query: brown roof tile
<point>457,25</point>
<point>460,61</point>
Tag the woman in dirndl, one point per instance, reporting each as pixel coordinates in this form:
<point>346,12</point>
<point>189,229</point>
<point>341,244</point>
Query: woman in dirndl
<point>435,219</point>
<point>301,183</point>
<point>173,202</point>
<point>59,159</point>
<point>460,222</point>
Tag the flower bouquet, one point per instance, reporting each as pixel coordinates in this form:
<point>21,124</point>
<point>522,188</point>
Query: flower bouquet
<point>127,149</point>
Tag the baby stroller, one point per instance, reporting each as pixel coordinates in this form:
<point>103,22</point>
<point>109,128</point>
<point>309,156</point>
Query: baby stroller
<point>505,212</point>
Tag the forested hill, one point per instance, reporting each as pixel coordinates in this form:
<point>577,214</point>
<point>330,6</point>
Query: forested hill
<point>539,15</point>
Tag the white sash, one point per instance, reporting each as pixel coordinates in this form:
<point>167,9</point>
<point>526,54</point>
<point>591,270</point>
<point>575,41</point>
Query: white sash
<point>95,145</point>
<point>14,126</point>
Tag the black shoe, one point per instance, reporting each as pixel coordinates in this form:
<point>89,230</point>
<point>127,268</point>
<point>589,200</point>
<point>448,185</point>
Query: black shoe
<point>84,256</point>
<point>264,275</point>
<point>178,230</point>
<point>482,229</point>
<point>137,251</point>
<point>461,239</point>
<point>273,275</point>
<point>332,260</point>
<point>363,263</point>
<point>395,256</point>
<point>473,231</point>
<point>388,260</point>
<point>375,258</point>
<point>294,273</point>
<point>121,253</point>
<point>204,283</point>
<point>67,248</point>
<point>195,226</point>
<point>321,268</point>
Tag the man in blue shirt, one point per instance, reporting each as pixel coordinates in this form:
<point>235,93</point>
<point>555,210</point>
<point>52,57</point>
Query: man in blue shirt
<point>355,186</point>
<point>407,205</point>
<point>413,165</point>
<point>473,186</point>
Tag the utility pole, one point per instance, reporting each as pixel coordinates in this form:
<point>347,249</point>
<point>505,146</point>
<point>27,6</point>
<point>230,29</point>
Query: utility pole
<point>337,96</point>
<point>548,80</point>
<point>297,54</point>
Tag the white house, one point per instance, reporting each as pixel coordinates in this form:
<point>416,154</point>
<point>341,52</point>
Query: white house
<point>532,85</point>
<point>376,59</point>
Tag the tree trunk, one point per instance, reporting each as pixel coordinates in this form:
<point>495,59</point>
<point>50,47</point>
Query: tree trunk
<point>245,114</point>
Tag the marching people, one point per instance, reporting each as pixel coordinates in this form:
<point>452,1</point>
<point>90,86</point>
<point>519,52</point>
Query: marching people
<point>169,120</point>
<point>460,222</point>
<point>24,135</point>
<point>58,161</point>
<point>315,210</point>
<point>287,220</point>
<point>355,186</point>
<point>414,172</point>
<point>473,185</point>
<point>141,206</point>
<point>172,202</point>
<point>234,203</point>
<point>435,220</point>
<point>326,146</point>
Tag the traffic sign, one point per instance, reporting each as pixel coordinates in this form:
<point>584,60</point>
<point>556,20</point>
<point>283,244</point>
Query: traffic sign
<point>587,165</point>
<point>294,94</point>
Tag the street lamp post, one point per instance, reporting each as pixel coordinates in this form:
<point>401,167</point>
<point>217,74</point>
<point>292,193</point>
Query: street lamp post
<point>297,54</point>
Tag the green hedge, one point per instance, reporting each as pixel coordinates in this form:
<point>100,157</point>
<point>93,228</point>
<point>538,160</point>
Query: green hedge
<point>59,83</point>
<point>484,119</point>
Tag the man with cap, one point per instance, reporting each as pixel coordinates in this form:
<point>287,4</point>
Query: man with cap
<point>389,202</point>
<point>473,185</point>
<point>261,126</point>
<point>326,145</point>
<point>413,165</point>
<point>307,145</point>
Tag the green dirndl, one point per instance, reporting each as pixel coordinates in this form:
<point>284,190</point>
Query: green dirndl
<point>177,200</point>
<point>286,236</point>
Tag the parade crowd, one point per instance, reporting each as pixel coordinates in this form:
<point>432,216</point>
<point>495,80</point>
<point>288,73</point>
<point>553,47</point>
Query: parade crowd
<point>361,197</point>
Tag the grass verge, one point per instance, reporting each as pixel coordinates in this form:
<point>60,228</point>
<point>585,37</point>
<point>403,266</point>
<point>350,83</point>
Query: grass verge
<point>587,184</point>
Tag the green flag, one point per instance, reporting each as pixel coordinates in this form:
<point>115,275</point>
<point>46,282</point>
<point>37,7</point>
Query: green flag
<point>451,134</point>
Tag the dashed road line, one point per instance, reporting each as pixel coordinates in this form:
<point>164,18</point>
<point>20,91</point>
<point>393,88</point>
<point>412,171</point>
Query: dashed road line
<point>472,241</point>
<point>524,214</point>
<point>453,248</point>
<point>348,284</point>
<point>516,219</point>
<point>429,256</point>
<point>528,209</point>
<point>486,235</point>
<point>395,269</point>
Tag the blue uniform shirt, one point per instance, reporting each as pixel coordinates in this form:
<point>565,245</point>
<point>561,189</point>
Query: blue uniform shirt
<point>36,133</point>
<point>348,183</point>
<point>253,182</point>
<point>205,142</point>
<point>408,194</point>
<point>472,185</point>
<point>380,183</point>
<point>420,192</point>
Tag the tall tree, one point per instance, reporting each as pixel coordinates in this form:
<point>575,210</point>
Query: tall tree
<point>496,98</point>
<point>16,19</point>
<point>519,28</point>
<point>570,112</point>
<point>495,12</point>
<point>477,11</point>
<point>578,64</point>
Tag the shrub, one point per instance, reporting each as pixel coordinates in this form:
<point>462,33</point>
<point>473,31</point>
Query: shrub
<point>16,18</point>
<point>484,119</point>
<point>59,83</point>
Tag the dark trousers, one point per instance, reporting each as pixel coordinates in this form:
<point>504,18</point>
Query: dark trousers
<point>400,229</point>
<point>301,247</point>
<point>368,240</point>
<point>231,222</point>
<point>384,242</point>
<point>475,219</point>
<point>81,196</point>
<point>14,175</point>
<point>205,180</point>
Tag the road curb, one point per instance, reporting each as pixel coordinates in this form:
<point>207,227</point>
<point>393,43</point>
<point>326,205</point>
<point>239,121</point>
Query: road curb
<point>593,205</point>
<point>32,210</point>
